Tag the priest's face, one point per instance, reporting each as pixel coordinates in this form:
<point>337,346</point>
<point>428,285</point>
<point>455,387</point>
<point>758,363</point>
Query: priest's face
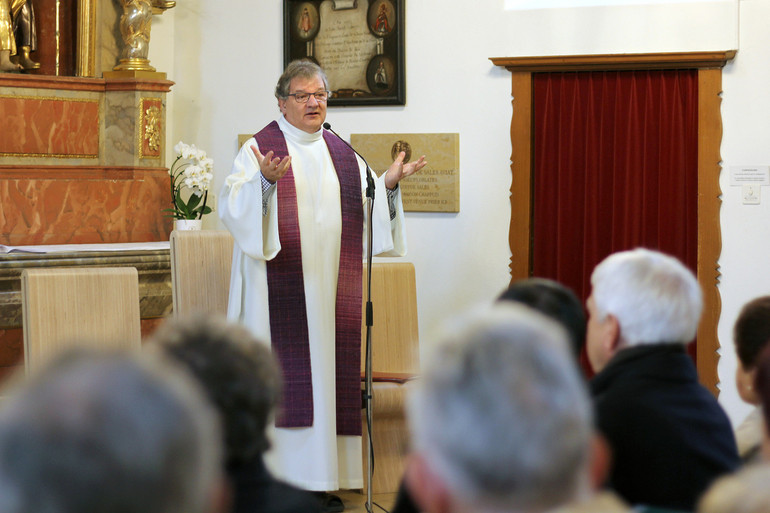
<point>309,116</point>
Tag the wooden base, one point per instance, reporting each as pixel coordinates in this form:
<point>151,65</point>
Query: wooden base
<point>355,500</point>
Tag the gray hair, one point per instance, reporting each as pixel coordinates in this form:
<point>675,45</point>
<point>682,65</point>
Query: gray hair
<point>301,68</point>
<point>240,375</point>
<point>108,432</point>
<point>654,297</point>
<point>502,415</point>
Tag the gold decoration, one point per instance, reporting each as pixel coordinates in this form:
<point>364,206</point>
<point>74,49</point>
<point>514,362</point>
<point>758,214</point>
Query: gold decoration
<point>152,128</point>
<point>86,38</point>
<point>117,75</point>
<point>50,155</point>
<point>150,131</point>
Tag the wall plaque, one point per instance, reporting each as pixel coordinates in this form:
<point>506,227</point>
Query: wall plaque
<point>434,189</point>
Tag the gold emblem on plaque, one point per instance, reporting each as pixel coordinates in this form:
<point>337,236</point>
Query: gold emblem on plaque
<point>400,146</point>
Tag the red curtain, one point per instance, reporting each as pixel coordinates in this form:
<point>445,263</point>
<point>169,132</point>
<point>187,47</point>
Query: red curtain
<point>615,168</point>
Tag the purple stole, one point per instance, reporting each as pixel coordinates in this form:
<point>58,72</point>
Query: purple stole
<point>286,293</point>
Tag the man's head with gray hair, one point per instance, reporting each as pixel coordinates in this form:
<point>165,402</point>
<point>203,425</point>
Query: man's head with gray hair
<point>240,375</point>
<point>640,297</point>
<point>303,68</point>
<point>501,419</point>
<point>106,433</point>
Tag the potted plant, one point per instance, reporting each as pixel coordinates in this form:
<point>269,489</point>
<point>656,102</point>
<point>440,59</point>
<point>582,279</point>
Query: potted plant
<point>190,176</point>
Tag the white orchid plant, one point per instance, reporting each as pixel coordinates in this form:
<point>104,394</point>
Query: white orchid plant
<point>191,170</point>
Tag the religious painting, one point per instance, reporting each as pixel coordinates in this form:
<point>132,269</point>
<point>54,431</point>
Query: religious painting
<point>381,17</point>
<point>358,43</point>
<point>305,26</point>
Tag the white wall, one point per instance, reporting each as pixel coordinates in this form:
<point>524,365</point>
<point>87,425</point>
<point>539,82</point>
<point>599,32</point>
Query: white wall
<point>225,63</point>
<point>745,228</point>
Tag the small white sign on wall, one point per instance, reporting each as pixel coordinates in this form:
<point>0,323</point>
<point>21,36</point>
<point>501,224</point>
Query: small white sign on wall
<point>749,175</point>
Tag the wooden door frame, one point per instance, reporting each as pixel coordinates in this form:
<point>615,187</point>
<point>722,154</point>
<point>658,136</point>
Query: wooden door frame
<point>709,66</point>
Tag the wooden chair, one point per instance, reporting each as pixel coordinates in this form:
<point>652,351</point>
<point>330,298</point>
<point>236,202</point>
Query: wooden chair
<point>67,307</point>
<point>395,361</point>
<point>200,271</point>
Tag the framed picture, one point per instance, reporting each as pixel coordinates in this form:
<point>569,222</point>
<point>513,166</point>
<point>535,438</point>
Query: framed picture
<point>358,43</point>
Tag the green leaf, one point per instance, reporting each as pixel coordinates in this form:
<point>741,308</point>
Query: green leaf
<point>180,205</point>
<point>193,201</point>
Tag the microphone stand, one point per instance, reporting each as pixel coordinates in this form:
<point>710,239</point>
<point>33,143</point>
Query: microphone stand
<point>369,322</point>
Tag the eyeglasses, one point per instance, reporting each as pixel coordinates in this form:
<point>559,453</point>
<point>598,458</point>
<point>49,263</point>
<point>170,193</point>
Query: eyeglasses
<point>302,97</point>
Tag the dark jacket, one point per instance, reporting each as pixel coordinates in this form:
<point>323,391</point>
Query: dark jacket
<point>255,490</point>
<point>669,436</point>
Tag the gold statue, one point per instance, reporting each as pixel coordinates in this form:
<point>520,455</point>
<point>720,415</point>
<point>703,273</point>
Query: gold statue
<point>7,38</point>
<point>158,6</point>
<point>18,36</point>
<point>23,15</point>
<point>135,24</point>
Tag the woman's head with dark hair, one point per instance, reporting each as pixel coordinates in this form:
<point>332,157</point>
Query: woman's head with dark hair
<point>762,388</point>
<point>239,374</point>
<point>751,335</point>
<point>555,301</point>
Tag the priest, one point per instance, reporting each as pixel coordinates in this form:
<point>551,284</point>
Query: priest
<point>294,203</point>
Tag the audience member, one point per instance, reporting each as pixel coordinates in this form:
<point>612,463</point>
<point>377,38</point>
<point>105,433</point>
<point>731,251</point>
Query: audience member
<point>242,379</point>
<point>669,436</point>
<point>762,387</point>
<point>501,419</point>
<point>746,491</point>
<point>751,335</point>
<point>555,301</point>
<point>106,433</point>
<point>549,298</point>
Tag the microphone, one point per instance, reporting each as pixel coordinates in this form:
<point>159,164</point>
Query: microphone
<point>369,179</point>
